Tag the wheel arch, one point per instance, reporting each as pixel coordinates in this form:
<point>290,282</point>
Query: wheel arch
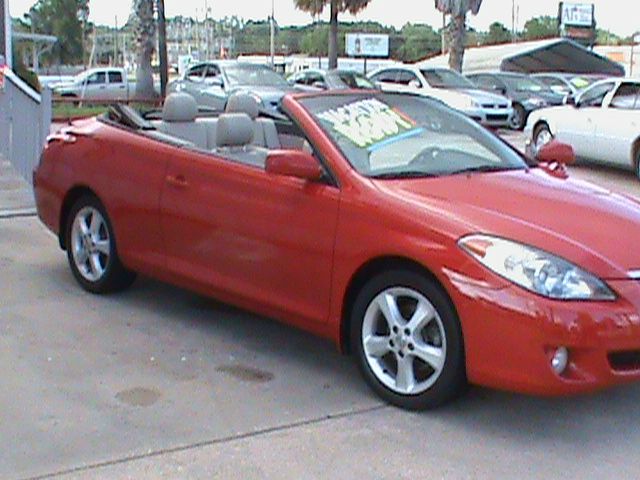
<point>635,154</point>
<point>369,270</point>
<point>70,198</point>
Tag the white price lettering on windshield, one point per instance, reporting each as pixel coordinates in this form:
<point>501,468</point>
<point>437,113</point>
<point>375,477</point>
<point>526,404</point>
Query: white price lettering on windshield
<point>367,122</point>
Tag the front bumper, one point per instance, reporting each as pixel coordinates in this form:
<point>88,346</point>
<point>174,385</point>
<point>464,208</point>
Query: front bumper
<point>491,117</point>
<point>510,336</point>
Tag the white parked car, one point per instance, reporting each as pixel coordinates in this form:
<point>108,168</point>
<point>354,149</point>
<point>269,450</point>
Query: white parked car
<point>603,126</point>
<point>448,86</point>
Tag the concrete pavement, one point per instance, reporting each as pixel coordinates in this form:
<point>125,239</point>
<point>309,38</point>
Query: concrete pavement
<point>16,194</point>
<point>161,383</point>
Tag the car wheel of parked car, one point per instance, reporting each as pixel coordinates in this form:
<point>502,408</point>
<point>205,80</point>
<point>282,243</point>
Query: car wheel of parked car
<point>541,136</point>
<point>91,248</point>
<point>637,165</point>
<point>518,118</point>
<point>408,341</point>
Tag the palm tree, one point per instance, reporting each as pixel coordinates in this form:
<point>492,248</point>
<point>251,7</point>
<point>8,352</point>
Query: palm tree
<point>315,7</point>
<point>458,27</point>
<point>145,31</point>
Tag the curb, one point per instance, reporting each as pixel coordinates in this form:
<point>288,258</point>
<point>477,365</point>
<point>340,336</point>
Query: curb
<point>18,213</point>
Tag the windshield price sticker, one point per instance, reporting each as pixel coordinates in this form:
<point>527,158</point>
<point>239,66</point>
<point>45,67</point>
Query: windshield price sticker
<point>367,122</point>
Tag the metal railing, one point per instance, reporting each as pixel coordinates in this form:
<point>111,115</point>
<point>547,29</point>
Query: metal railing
<point>25,120</point>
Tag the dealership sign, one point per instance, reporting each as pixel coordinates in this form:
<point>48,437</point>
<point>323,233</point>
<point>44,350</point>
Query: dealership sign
<point>576,14</point>
<point>367,45</point>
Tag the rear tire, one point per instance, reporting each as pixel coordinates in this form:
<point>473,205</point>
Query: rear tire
<point>407,340</point>
<point>91,248</point>
<point>637,163</point>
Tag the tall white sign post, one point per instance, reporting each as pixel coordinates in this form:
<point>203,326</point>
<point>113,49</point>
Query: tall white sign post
<point>5,33</point>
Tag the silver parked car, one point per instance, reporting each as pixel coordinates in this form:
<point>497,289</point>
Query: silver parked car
<point>314,80</point>
<point>489,109</point>
<point>211,83</point>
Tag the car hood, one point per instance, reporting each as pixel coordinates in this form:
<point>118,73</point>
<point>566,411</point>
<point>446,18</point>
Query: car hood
<point>588,225</point>
<point>483,97</point>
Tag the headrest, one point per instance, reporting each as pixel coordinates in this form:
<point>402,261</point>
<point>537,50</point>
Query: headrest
<point>234,130</point>
<point>179,107</point>
<point>243,103</point>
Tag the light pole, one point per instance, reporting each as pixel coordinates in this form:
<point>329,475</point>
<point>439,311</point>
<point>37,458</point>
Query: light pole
<point>5,33</point>
<point>272,29</point>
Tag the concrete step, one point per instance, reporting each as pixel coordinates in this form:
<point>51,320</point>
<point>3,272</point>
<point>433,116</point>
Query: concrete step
<point>16,194</point>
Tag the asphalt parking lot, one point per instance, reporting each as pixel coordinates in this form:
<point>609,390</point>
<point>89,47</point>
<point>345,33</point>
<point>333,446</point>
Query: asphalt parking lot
<point>158,382</point>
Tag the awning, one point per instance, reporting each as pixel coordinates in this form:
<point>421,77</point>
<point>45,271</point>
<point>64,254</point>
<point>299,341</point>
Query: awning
<point>554,55</point>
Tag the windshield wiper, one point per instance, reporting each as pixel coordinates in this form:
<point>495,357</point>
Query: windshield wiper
<point>405,174</point>
<point>483,169</point>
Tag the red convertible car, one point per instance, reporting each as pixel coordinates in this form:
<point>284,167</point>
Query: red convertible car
<point>414,239</point>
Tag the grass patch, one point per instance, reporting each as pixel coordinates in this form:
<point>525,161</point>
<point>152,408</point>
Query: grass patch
<point>63,111</point>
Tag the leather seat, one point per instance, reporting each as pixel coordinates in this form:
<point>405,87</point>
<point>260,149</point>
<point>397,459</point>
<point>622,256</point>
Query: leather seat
<point>179,119</point>
<point>234,137</point>
<point>265,132</point>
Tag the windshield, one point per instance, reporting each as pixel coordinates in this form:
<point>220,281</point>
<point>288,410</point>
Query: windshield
<point>353,80</point>
<point>400,136</point>
<point>441,78</point>
<point>524,84</point>
<point>254,75</point>
<point>583,82</point>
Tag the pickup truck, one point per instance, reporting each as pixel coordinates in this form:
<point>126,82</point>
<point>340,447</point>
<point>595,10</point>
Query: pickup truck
<point>97,83</point>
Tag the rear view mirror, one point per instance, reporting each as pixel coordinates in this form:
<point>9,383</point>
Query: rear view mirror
<point>293,163</point>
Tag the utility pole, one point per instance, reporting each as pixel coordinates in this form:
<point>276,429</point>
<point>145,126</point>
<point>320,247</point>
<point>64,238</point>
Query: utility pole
<point>5,33</point>
<point>513,20</point>
<point>115,44</point>
<point>162,47</point>
<point>272,28</point>
<point>443,34</point>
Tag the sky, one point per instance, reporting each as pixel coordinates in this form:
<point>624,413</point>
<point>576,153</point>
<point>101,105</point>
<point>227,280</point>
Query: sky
<point>612,15</point>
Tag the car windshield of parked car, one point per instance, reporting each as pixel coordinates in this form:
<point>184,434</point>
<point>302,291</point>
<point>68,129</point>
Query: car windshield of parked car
<point>354,80</point>
<point>254,75</point>
<point>524,84</point>
<point>441,78</point>
<point>581,82</point>
<point>403,136</point>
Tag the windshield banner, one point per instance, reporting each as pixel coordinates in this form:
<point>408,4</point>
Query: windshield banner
<point>367,122</point>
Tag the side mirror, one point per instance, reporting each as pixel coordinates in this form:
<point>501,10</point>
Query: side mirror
<point>320,85</point>
<point>555,156</point>
<point>213,81</point>
<point>414,84</point>
<point>293,163</point>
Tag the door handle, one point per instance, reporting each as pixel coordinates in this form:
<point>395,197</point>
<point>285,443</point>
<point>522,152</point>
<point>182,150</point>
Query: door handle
<point>177,181</point>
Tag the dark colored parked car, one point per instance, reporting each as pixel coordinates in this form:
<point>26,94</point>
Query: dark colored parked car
<point>526,93</point>
<point>571,84</point>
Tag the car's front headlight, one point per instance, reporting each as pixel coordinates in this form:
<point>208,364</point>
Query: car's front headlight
<point>463,102</point>
<point>535,270</point>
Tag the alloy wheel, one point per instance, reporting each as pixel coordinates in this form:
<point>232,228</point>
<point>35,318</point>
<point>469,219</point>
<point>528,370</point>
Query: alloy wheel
<point>404,340</point>
<point>90,244</point>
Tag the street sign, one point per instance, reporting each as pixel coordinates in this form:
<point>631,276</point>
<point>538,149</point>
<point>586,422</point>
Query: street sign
<point>576,14</point>
<point>367,45</point>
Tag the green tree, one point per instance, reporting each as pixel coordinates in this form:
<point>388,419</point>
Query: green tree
<point>145,34</point>
<point>458,10</point>
<point>417,42</point>
<point>315,7</point>
<point>64,19</point>
<point>497,34</point>
<point>541,27</point>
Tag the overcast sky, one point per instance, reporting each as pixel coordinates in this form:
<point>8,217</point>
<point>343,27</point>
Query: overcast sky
<point>620,16</point>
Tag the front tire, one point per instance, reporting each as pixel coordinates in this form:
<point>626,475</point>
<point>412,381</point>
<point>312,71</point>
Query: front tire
<point>407,340</point>
<point>541,136</point>
<point>519,118</point>
<point>91,248</point>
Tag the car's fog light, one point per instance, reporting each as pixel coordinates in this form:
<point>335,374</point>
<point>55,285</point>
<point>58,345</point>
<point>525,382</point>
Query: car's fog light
<point>560,360</point>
